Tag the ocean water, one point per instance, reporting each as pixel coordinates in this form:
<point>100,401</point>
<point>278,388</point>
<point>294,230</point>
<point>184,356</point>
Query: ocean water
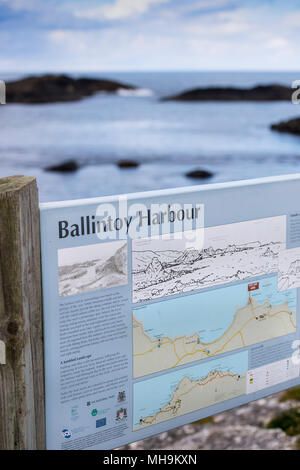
<point>169,139</point>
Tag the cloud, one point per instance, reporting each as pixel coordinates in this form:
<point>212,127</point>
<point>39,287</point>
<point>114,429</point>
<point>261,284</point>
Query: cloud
<point>118,10</point>
<point>20,4</point>
<point>221,24</point>
<point>277,43</point>
<point>98,35</point>
<point>292,19</point>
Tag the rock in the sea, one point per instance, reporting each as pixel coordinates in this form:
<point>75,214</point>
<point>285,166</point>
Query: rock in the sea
<point>257,93</point>
<point>54,88</point>
<point>65,167</point>
<point>199,174</point>
<point>292,126</point>
<point>127,164</point>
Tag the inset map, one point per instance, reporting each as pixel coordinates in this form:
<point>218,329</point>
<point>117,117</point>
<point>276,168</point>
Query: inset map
<point>229,253</point>
<point>186,329</point>
<point>92,267</point>
<point>289,269</point>
<point>184,391</point>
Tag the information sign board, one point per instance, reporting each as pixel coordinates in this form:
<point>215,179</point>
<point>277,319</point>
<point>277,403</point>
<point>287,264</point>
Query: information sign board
<point>165,307</point>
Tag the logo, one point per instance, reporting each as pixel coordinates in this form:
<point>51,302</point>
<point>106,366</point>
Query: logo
<point>100,422</point>
<point>66,433</point>
<point>121,414</point>
<point>94,412</point>
<point>74,411</point>
<point>121,396</point>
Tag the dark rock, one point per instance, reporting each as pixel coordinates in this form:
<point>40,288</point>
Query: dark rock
<point>127,164</point>
<point>199,174</point>
<point>292,126</point>
<point>65,167</point>
<point>258,93</point>
<point>54,88</point>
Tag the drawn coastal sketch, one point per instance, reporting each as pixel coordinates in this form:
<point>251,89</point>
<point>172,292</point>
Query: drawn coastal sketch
<point>289,269</point>
<point>92,267</point>
<point>229,253</point>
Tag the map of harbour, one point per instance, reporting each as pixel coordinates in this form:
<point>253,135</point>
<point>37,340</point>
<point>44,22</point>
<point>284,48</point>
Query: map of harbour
<point>184,391</point>
<point>187,329</point>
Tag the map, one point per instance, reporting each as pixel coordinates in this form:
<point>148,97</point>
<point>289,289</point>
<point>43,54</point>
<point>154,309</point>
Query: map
<point>289,269</point>
<point>190,389</point>
<point>186,329</point>
<point>227,253</point>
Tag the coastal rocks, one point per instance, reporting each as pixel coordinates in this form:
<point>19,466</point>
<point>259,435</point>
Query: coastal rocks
<point>292,126</point>
<point>199,174</point>
<point>258,93</point>
<point>55,88</point>
<point>127,164</point>
<point>65,167</point>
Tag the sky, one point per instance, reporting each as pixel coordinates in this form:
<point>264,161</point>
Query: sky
<point>143,35</point>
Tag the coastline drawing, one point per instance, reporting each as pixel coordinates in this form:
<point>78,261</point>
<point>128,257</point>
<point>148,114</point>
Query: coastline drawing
<point>92,267</point>
<point>229,253</point>
<point>289,269</point>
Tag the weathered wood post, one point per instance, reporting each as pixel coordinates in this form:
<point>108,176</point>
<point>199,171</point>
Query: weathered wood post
<point>22,419</point>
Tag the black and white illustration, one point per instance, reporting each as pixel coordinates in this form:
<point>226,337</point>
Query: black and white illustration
<point>226,253</point>
<point>92,267</point>
<point>289,269</point>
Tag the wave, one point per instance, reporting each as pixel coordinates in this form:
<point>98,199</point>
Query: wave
<point>137,93</point>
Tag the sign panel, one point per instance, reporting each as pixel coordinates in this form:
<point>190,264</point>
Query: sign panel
<point>166,307</point>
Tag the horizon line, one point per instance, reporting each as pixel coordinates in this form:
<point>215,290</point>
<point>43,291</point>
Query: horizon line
<point>62,71</point>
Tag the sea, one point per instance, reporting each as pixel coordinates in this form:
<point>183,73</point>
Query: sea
<point>233,141</point>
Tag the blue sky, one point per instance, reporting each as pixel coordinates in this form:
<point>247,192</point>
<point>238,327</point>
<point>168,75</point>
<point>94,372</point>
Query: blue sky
<point>109,35</point>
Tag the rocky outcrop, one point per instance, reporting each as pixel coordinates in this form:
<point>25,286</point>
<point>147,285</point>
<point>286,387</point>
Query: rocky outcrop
<point>127,164</point>
<point>199,174</point>
<point>65,167</point>
<point>55,88</point>
<point>292,126</point>
<point>155,270</point>
<point>258,93</point>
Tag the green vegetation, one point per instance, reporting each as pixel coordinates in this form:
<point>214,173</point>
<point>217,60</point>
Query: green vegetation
<point>288,421</point>
<point>209,419</point>
<point>292,394</point>
<point>297,445</point>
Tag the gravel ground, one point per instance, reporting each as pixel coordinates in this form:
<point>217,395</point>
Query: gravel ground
<point>242,428</point>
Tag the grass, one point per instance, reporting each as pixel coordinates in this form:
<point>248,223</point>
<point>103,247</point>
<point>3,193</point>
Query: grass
<point>292,394</point>
<point>288,421</point>
<point>209,419</point>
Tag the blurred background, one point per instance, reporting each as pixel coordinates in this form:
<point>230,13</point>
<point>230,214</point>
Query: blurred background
<point>121,134</point>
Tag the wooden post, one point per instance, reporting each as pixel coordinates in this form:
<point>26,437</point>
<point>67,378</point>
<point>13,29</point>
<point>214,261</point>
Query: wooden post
<point>22,417</point>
